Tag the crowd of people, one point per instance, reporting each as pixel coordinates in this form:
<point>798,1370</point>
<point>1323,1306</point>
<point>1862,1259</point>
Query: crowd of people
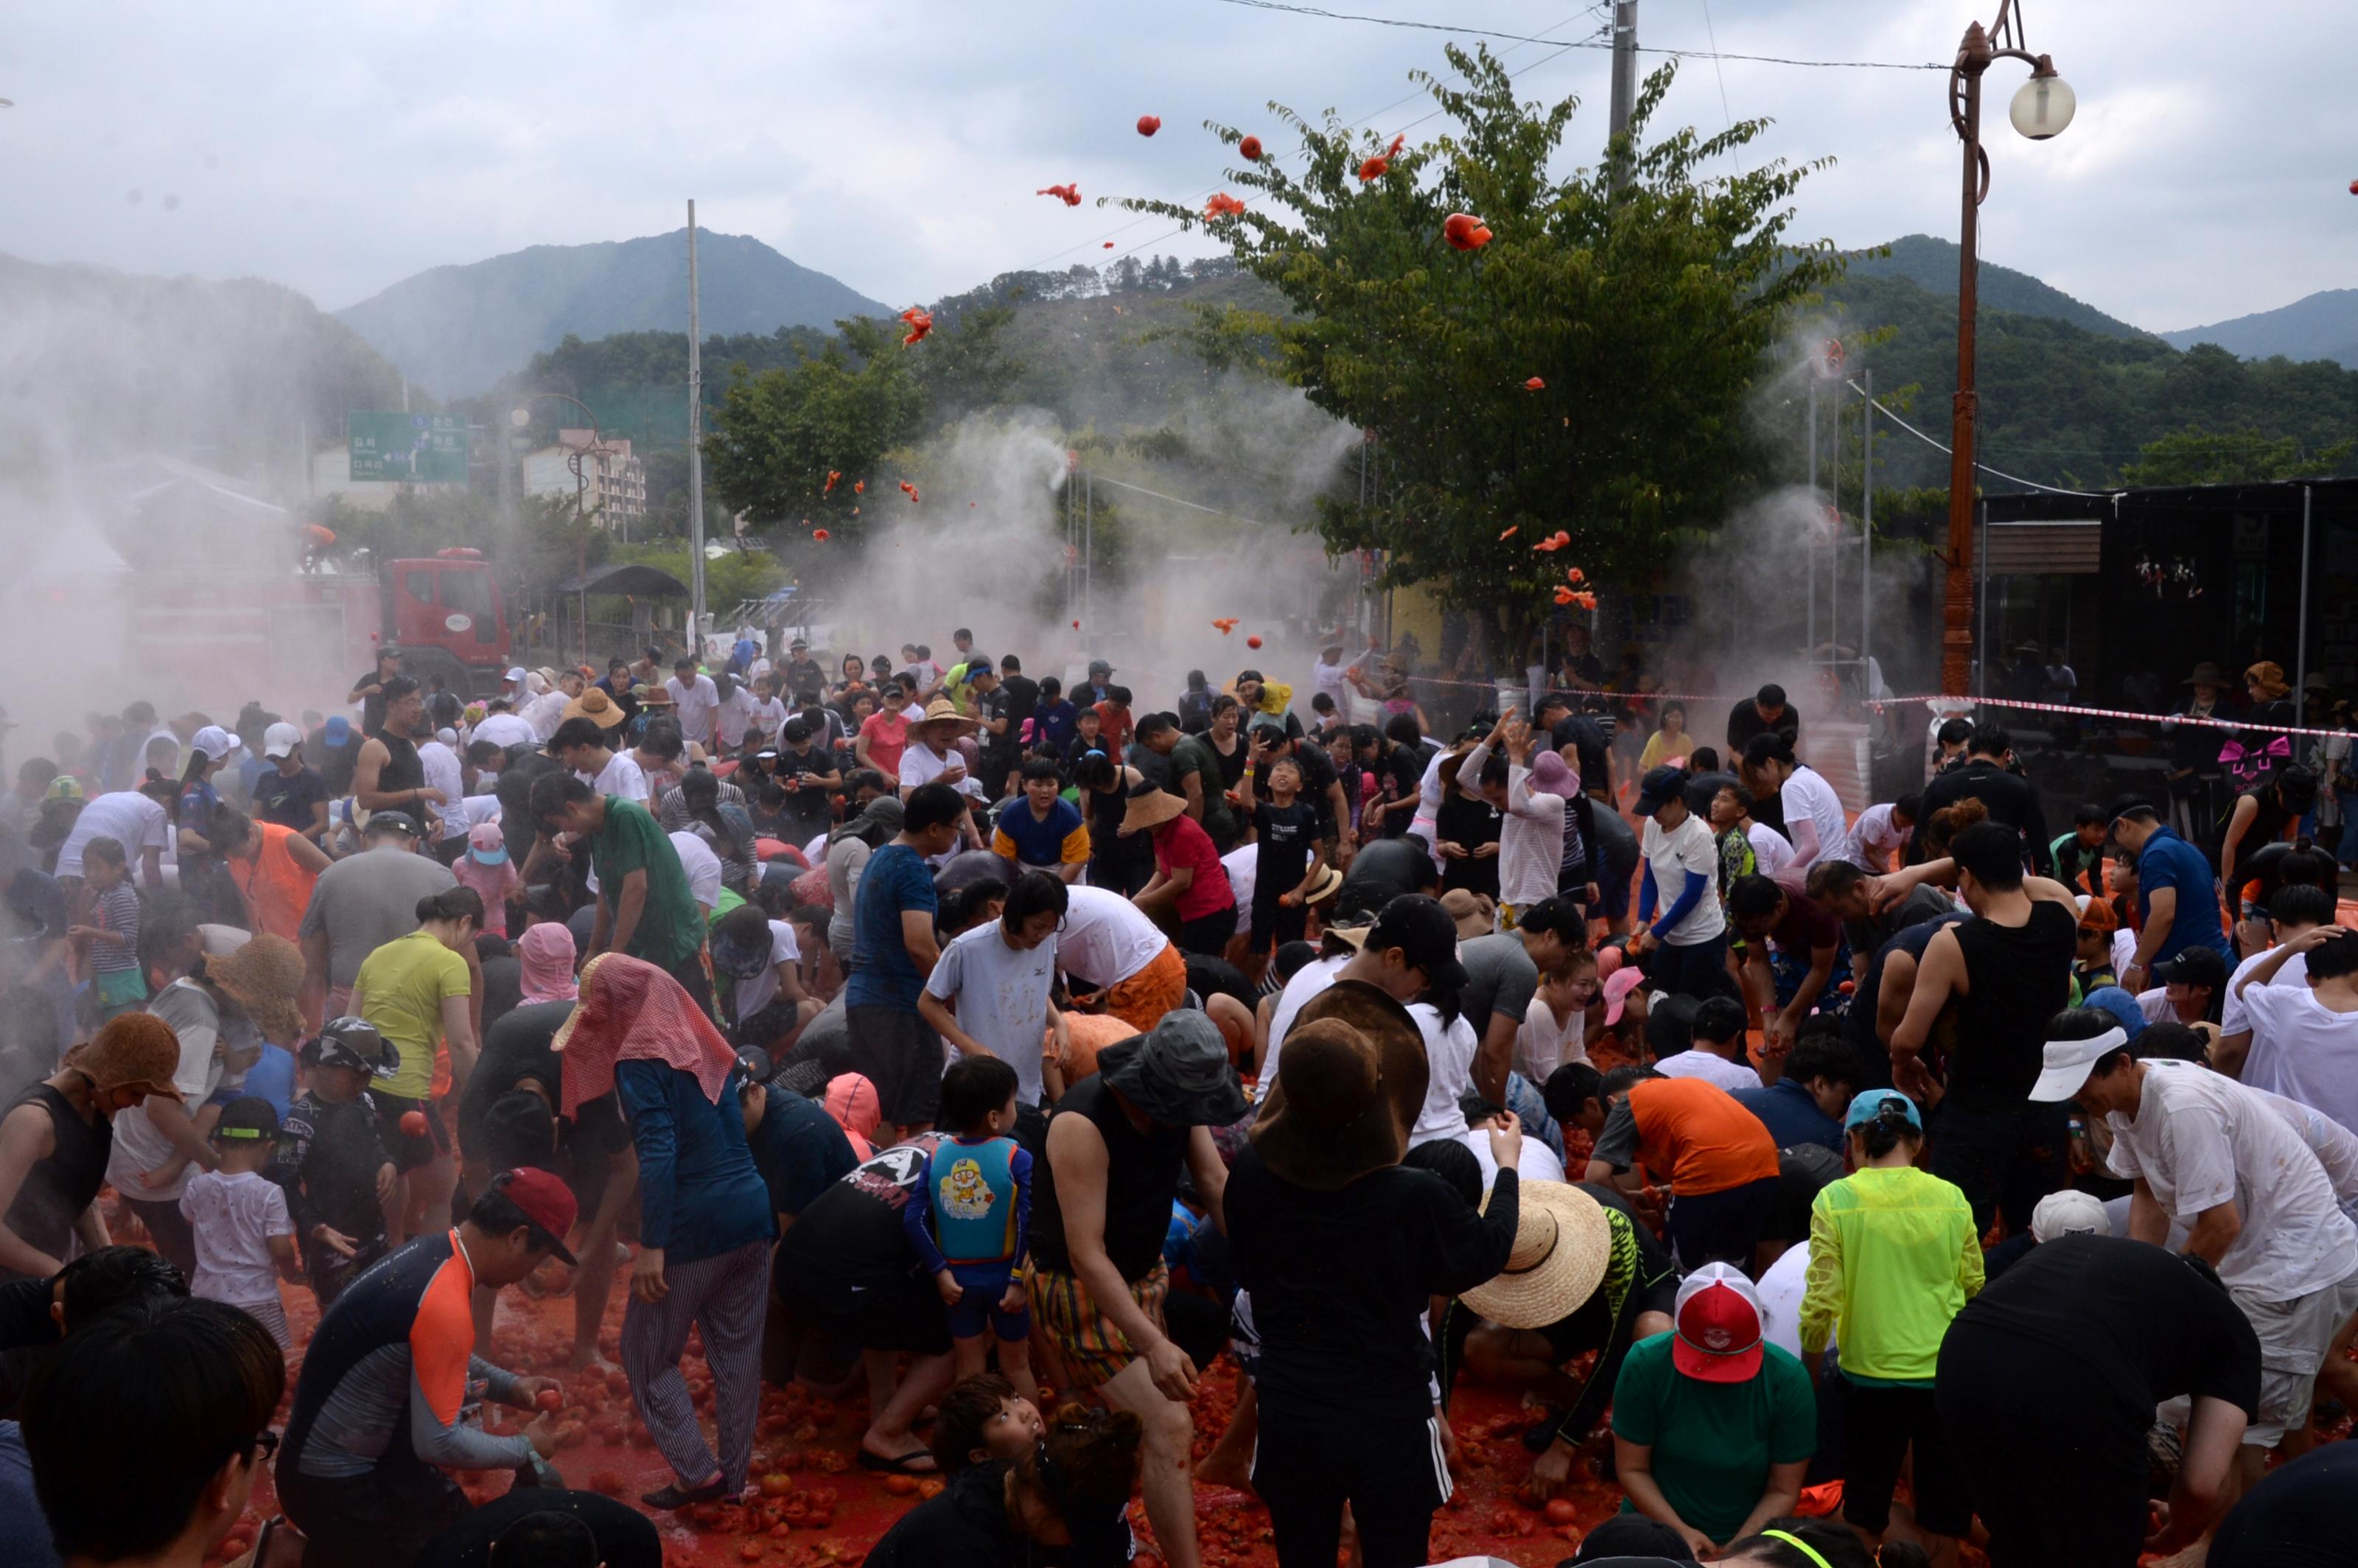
<point>926,1027</point>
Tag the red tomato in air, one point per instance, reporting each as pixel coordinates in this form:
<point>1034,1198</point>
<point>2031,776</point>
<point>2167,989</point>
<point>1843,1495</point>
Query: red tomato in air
<point>413,1124</point>
<point>1250,149</point>
<point>1253,642</point>
<point>1148,124</point>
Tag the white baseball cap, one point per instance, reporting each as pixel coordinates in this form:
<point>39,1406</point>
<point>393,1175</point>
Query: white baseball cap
<point>2070,1213</point>
<point>280,741</point>
<point>217,742</point>
<point>2068,1061</point>
<point>515,676</point>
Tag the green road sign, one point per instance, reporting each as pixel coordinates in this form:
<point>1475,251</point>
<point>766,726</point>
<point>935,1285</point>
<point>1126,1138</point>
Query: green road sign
<point>409,448</point>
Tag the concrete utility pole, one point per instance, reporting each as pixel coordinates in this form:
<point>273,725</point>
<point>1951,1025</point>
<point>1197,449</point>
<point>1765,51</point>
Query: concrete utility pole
<point>1625,78</point>
<point>694,454</point>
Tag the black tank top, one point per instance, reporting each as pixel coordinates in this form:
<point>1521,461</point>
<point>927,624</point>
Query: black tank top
<point>2017,978</point>
<point>1141,1179</point>
<point>59,1188</point>
<point>403,769</point>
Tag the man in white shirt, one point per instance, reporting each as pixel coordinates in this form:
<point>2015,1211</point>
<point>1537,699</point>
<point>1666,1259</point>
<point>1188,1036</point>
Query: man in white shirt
<point>703,869</point>
<point>1688,933</point>
<point>547,711</point>
<point>695,701</point>
<point>503,729</point>
<point>439,758</point>
<point>132,818</point>
<point>1880,831</point>
<point>1812,811</point>
<point>989,993</point>
<point>1332,675</point>
<point>2291,912</point>
<point>1717,1056</point>
<point>734,715</point>
<point>2257,1204</point>
<point>581,745</point>
<point>1410,950</point>
<point>769,714</point>
<point>2304,1038</point>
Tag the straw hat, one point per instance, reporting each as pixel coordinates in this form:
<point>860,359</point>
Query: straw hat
<point>136,1051</point>
<point>1349,1087</point>
<point>263,977</point>
<point>1151,807</point>
<point>1324,886</point>
<point>1474,915</point>
<point>1563,1241</point>
<point>595,706</point>
<point>942,710</point>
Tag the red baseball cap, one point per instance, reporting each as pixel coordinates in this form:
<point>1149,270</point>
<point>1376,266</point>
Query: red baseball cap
<point>545,1201</point>
<point>1718,1315</point>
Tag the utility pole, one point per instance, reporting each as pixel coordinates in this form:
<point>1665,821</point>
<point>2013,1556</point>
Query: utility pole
<point>1624,79</point>
<point>695,453</point>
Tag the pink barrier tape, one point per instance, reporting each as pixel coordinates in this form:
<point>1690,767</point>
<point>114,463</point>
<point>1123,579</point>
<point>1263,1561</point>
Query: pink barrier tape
<point>2105,713</point>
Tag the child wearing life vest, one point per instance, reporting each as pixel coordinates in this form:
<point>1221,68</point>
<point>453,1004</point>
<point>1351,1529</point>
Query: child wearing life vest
<point>969,1218</point>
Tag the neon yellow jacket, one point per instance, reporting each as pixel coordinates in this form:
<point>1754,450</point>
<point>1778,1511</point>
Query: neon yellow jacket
<point>1893,1257</point>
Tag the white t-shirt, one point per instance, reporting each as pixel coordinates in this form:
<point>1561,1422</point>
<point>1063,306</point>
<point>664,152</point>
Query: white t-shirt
<point>694,704</point>
<point>622,776</point>
<point>2155,1005</point>
<point>1107,938</point>
<point>1772,851</point>
<point>129,817</point>
<point>1687,848</point>
<point>470,811</point>
<point>757,991</point>
<point>235,1215</point>
<point>1307,982</point>
<point>1542,1044</point>
<point>1000,997</point>
<point>1807,796</point>
<point>921,765</point>
<point>2303,1050</point>
<point>545,713</point>
<point>2124,942</point>
<point>140,1145</point>
<point>440,765</point>
<point>1243,866</point>
<point>505,729</point>
<point>1538,1163</point>
<point>2201,1140</point>
<point>729,719</point>
<point>702,866</point>
<point>2335,1148</point>
<point>2233,1017</point>
<point>1711,1069</point>
<point>769,718</point>
<point>1449,1073</point>
<point>1872,838</point>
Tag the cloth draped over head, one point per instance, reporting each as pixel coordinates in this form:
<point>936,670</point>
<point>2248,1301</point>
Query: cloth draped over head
<point>631,1011</point>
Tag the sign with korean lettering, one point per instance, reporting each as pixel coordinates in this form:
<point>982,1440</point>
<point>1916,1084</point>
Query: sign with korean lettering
<point>409,448</point>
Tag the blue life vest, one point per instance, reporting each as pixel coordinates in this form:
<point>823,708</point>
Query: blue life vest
<point>973,1193</point>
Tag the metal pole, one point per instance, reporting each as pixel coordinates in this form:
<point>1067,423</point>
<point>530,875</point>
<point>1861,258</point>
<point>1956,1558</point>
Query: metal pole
<point>2300,649</point>
<point>1809,550</point>
<point>1957,642</point>
<point>1979,669</point>
<point>1624,79</point>
<point>1088,543</point>
<point>694,454</point>
<point>1866,523</point>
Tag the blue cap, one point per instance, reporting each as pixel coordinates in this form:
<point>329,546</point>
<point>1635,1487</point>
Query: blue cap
<point>2124,1008</point>
<point>337,731</point>
<point>1867,1104</point>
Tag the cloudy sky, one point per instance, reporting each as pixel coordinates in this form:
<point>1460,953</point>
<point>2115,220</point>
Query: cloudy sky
<point>896,143</point>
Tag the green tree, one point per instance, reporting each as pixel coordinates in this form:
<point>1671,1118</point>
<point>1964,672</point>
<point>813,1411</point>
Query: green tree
<point>1644,311</point>
<point>2241,454</point>
<point>779,434</point>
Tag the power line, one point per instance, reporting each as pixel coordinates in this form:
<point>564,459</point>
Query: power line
<point>2011,479</point>
<point>1522,38</point>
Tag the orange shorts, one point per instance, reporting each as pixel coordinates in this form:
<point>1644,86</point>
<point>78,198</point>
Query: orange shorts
<point>1142,1000</point>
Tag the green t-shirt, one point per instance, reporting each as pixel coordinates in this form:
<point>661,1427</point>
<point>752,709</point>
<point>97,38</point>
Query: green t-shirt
<point>1712,1442</point>
<point>670,925</point>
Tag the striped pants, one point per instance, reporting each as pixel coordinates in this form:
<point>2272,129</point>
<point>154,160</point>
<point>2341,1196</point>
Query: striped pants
<point>724,1297</point>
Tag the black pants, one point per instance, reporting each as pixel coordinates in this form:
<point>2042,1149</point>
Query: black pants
<point>2057,1470</point>
<point>1391,1472</point>
<point>175,1241</point>
<point>1880,1425</point>
<point>1699,971</point>
<point>626,1538</point>
<point>382,1519</point>
<point>1721,1227</point>
<point>2005,1161</point>
<point>1208,934</point>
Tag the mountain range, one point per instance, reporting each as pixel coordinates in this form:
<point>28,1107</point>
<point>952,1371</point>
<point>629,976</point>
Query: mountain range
<point>455,331</point>
<point>2325,326</point>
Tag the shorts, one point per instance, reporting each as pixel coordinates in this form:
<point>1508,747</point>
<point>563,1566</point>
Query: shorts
<point>1208,935</point>
<point>2294,1337</point>
<point>902,1057</point>
<point>986,1284</point>
<point>1274,925</point>
<point>1094,1350</point>
<point>272,1316</point>
<point>410,1152</point>
<point>1142,1000</point>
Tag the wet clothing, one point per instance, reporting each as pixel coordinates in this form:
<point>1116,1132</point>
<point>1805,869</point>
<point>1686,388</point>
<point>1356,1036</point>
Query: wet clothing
<point>404,769</point>
<point>2017,977</point>
<point>1142,1178</point>
<point>327,1161</point>
<point>56,1190</point>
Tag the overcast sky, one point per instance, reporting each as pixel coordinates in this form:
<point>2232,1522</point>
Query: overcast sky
<point>896,143</point>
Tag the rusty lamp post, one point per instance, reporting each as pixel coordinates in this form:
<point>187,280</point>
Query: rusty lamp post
<point>2040,110</point>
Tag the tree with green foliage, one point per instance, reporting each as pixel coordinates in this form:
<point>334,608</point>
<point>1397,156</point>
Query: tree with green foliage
<point>2240,455</point>
<point>1642,309</point>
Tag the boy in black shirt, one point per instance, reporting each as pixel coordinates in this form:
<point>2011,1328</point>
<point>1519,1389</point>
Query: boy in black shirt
<point>1287,857</point>
<point>335,1172</point>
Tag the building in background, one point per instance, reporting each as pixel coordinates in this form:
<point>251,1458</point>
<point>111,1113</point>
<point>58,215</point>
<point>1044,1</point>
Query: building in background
<point>617,490</point>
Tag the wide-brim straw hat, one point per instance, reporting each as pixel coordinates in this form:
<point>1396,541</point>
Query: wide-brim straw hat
<point>1562,1242</point>
<point>596,707</point>
<point>1324,886</point>
<point>264,979</point>
<point>1152,808</point>
<point>1349,1087</point>
<point>136,1051</point>
<point>942,710</point>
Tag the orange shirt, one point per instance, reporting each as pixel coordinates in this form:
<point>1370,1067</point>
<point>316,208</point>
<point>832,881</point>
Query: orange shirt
<point>1697,1132</point>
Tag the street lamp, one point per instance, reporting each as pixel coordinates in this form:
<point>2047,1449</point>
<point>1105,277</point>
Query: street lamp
<point>2041,108</point>
<point>520,417</point>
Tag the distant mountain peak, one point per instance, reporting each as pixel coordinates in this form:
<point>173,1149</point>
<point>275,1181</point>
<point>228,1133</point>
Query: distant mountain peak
<point>456,329</point>
<point>1931,263</point>
<point>2322,326</point>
